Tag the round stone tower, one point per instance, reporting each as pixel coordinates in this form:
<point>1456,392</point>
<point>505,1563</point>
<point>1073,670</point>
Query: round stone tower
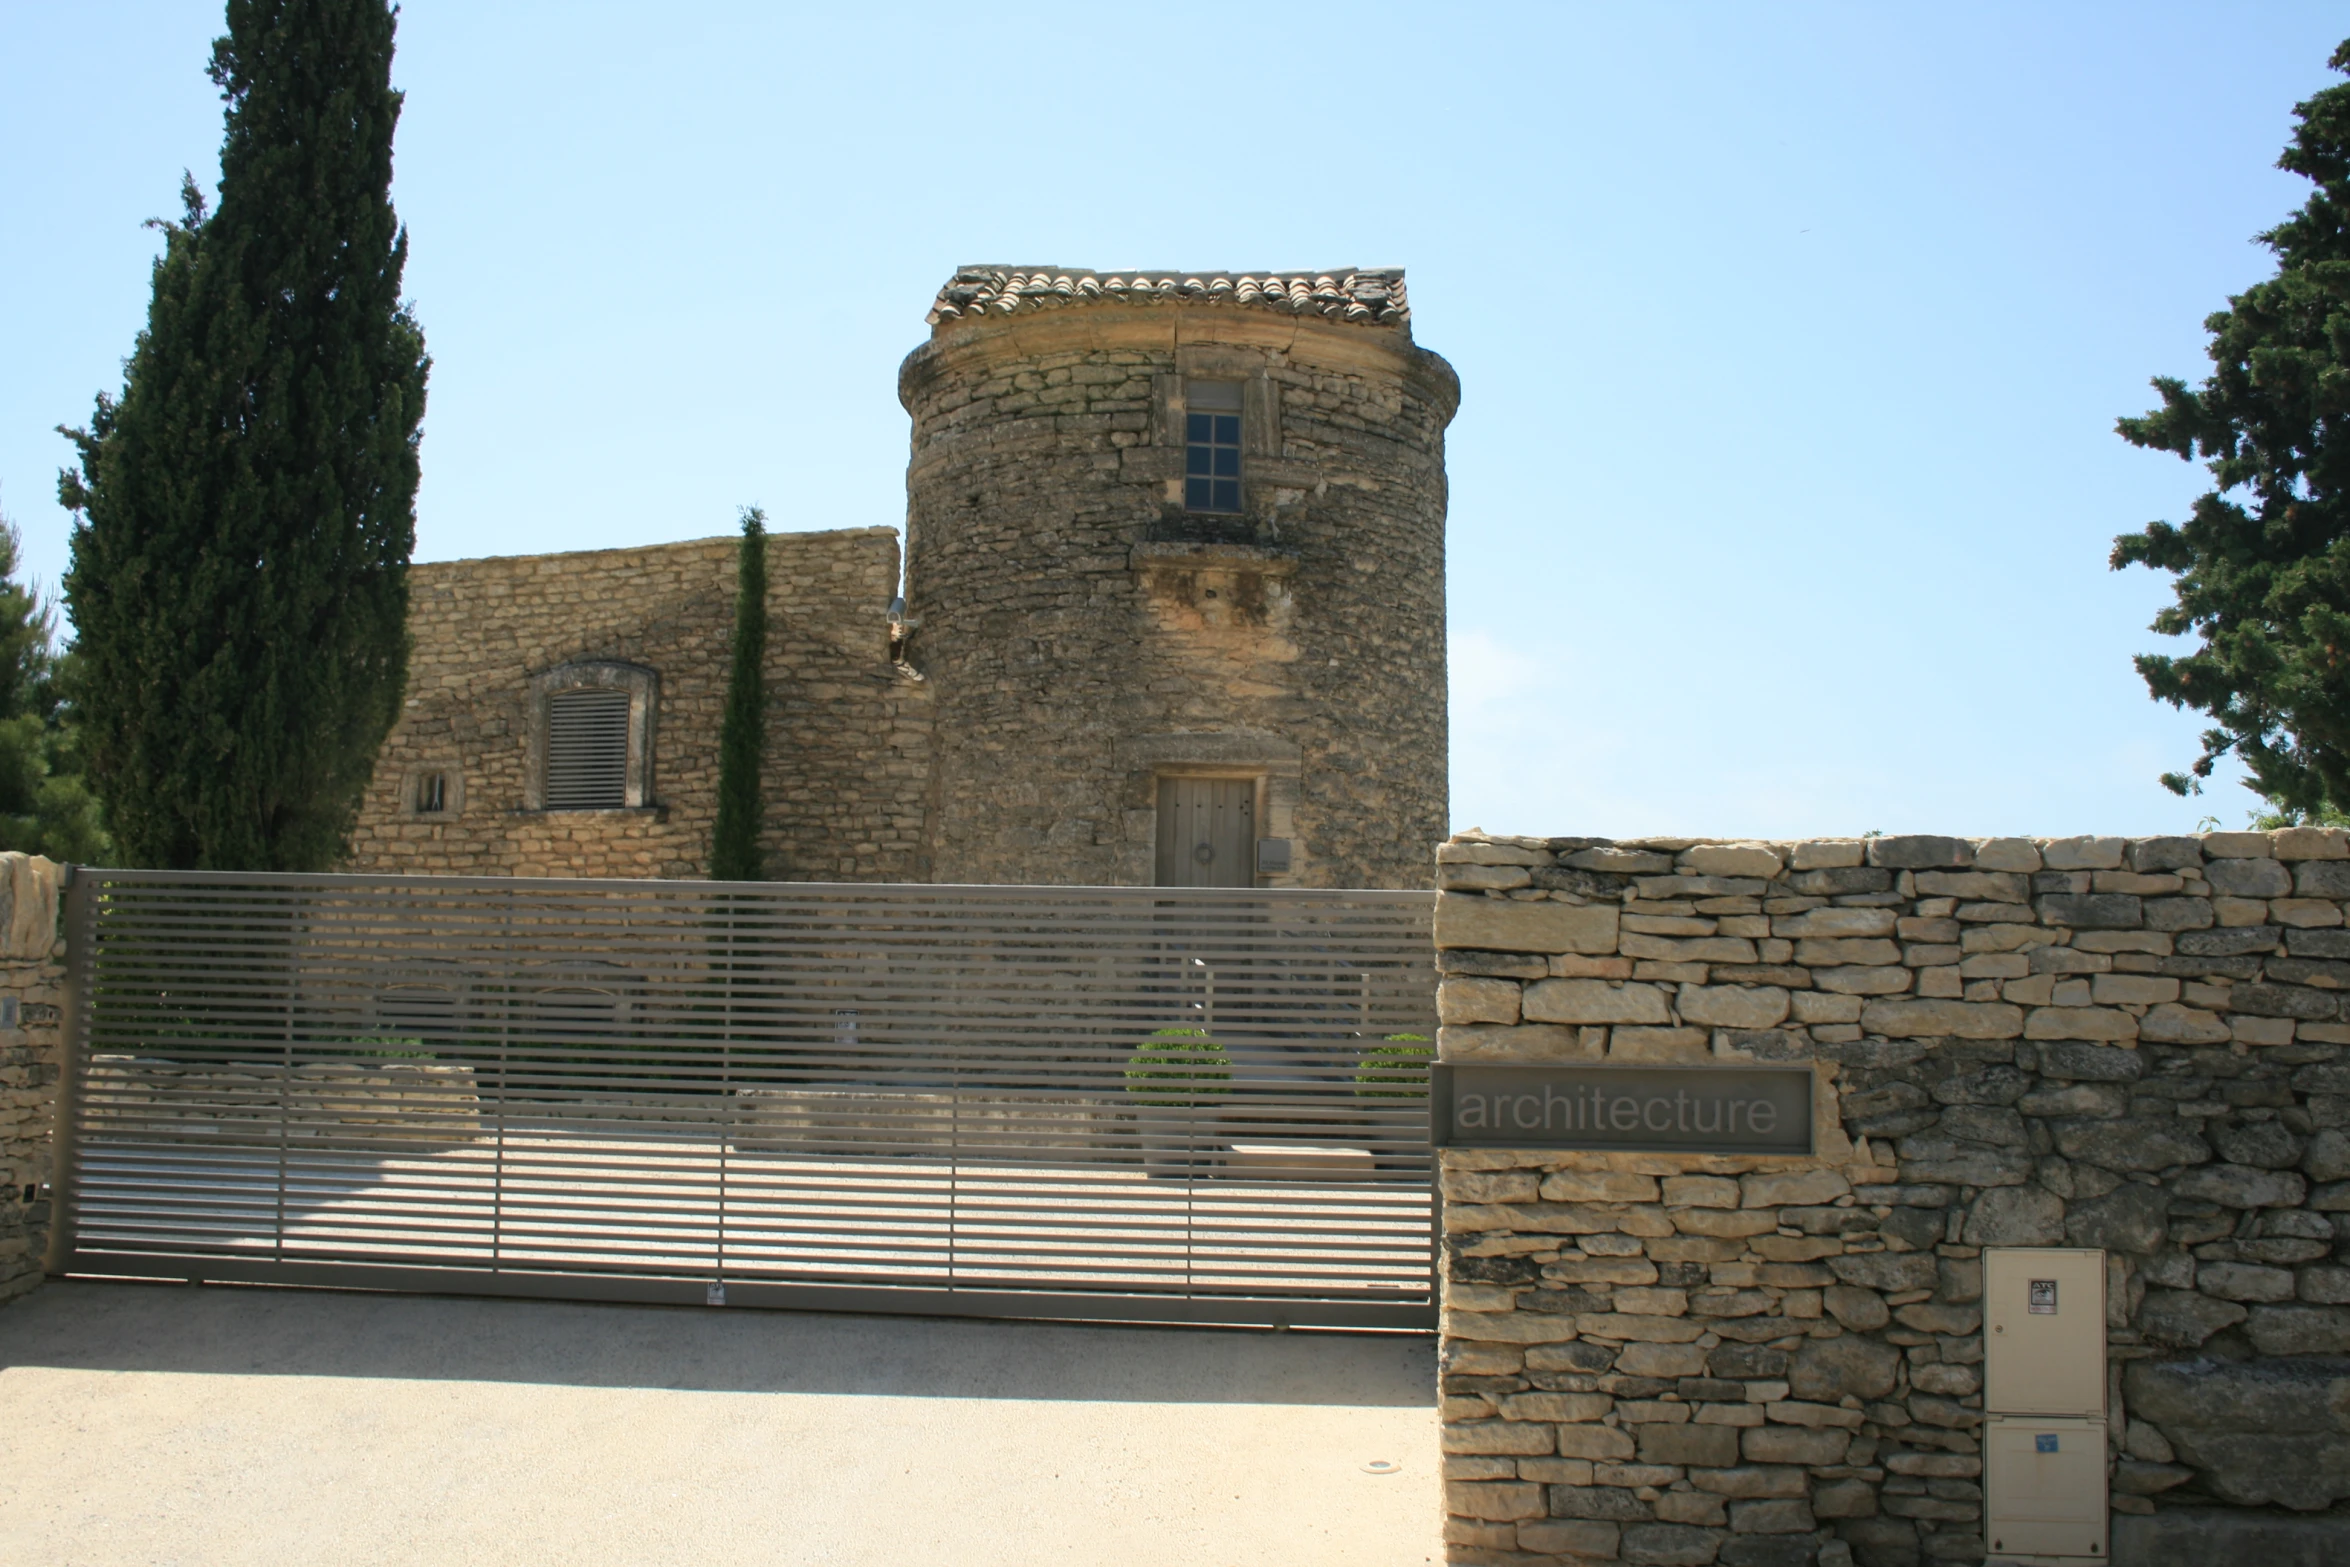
<point>1175,573</point>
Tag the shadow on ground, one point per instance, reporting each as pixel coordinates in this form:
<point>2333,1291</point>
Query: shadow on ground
<point>256,1331</point>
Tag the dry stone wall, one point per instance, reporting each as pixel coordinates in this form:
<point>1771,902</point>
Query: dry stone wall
<point>2136,1045</point>
<point>32,977</point>
<point>156,1097</point>
<point>848,730</point>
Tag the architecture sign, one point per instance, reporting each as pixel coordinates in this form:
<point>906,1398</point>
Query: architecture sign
<point>1623,1109</point>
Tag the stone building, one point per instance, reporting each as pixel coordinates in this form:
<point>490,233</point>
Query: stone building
<point>1176,549</point>
<point>562,715</point>
<point>1172,613</point>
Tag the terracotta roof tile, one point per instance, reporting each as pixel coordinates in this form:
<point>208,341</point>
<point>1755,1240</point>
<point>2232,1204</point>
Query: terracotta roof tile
<point>1369,295</point>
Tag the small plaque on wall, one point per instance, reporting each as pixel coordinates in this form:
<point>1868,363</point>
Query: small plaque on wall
<point>1622,1109</point>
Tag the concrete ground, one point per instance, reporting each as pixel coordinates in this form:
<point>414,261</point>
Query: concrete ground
<point>174,1425</point>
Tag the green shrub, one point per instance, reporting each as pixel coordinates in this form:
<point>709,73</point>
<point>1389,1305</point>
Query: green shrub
<point>1173,1055</point>
<point>1396,1069</point>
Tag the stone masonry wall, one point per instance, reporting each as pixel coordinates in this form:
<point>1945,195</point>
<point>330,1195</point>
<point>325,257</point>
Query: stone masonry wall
<point>1085,634</point>
<point>32,974</point>
<point>2139,1046</point>
<point>847,730</point>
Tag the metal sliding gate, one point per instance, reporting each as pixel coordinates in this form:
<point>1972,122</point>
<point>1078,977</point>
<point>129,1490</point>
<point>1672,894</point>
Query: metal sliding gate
<point>1160,1104</point>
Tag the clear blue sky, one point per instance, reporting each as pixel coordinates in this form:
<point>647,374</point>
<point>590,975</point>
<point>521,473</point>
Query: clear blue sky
<point>1792,337</point>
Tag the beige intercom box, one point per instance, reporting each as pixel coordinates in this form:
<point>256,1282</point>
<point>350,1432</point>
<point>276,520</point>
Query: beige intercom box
<point>2044,1436</point>
<point>2044,1331</point>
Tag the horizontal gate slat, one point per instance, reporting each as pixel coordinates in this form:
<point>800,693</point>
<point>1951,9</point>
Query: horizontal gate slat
<point>885,1095</point>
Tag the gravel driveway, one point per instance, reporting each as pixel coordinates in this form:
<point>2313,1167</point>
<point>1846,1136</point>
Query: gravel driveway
<point>170,1424</point>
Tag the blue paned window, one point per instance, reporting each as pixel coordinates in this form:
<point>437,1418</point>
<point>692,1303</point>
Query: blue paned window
<point>1211,446</point>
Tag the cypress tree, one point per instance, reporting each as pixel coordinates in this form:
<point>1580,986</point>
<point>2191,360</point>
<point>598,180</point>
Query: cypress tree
<point>2263,560</point>
<point>246,507</point>
<point>742,741</point>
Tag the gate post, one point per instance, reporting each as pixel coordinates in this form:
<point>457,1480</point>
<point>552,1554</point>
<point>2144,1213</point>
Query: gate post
<point>29,980</point>
<point>72,1054</point>
<point>1654,1342</point>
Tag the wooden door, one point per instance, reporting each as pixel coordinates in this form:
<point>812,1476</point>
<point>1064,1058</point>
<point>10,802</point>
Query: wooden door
<point>1207,832</point>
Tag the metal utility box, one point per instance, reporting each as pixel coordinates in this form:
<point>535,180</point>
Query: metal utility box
<point>2044,1488</point>
<point>2044,1332</point>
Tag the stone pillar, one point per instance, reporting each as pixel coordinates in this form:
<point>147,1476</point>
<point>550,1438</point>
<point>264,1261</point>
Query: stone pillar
<point>32,977</point>
<point>1639,1362</point>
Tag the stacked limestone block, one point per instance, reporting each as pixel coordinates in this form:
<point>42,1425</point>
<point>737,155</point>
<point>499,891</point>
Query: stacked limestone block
<point>2131,1045</point>
<point>155,1098</point>
<point>32,973</point>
